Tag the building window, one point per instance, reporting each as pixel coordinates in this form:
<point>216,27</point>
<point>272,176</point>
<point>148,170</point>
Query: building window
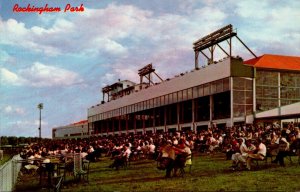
<point>179,94</point>
<point>174,97</point>
<point>195,92</point>
<point>190,93</point>
<point>206,89</point>
<point>162,100</point>
<point>170,98</point>
<point>200,90</point>
<point>184,95</point>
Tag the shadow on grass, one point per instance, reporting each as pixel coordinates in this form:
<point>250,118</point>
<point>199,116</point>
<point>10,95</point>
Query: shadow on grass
<point>131,180</point>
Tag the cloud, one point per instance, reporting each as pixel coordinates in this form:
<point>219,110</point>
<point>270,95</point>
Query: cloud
<point>40,75</point>
<point>107,79</point>
<point>272,28</point>
<point>4,57</point>
<point>9,110</point>
<point>24,128</point>
<point>9,78</point>
<point>117,29</point>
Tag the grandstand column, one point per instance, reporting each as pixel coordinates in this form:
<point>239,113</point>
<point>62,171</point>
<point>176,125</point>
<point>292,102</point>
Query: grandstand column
<point>107,126</point>
<point>231,101</point>
<point>90,125</point>
<point>134,123</point>
<point>165,118</point>
<point>119,118</point>
<point>254,93</point>
<point>127,123</point>
<point>193,115</point>
<point>178,116</point>
<point>143,119</point>
<point>153,122</point>
<point>113,126</point>
<point>279,97</point>
<point>211,104</point>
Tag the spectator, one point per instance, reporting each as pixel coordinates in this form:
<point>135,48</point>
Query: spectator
<point>151,150</point>
<point>284,147</point>
<point>259,155</point>
<point>183,156</point>
<point>167,157</point>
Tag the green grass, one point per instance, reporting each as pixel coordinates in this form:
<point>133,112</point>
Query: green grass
<point>5,159</point>
<point>209,173</point>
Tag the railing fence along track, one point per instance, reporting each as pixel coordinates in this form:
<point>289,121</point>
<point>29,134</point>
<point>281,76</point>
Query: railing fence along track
<point>9,172</point>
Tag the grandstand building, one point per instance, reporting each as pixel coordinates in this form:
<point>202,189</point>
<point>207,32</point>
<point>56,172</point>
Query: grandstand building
<point>223,93</point>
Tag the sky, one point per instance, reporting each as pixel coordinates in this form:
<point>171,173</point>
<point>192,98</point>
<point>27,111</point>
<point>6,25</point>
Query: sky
<point>63,59</point>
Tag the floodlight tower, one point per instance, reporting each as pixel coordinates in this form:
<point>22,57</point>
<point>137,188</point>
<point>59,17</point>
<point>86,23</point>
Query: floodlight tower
<point>40,107</point>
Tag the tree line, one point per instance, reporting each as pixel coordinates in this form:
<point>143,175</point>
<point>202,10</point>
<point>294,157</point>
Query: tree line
<point>16,141</point>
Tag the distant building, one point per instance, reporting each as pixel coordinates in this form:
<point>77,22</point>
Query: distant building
<point>75,130</point>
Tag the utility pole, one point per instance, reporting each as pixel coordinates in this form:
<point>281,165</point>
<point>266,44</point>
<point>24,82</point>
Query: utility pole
<point>40,107</point>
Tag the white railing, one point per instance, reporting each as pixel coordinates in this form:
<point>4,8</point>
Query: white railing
<point>9,174</point>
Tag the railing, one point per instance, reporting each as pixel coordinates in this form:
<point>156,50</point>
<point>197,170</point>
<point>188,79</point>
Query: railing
<point>9,173</point>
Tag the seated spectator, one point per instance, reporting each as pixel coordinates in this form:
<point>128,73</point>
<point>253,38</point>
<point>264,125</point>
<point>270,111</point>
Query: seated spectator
<point>283,151</point>
<point>259,154</point>
<point>245,148</point>
<point>294,145</point>
<point>33,165</point>
<point>212,143</point>
<point>232,148</point>
<point>242,150</point>
<point>90,154</point>
<point>122,159</point>
<point>273,146</point>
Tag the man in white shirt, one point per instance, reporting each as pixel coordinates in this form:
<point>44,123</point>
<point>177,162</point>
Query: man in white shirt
<point>260,155</point>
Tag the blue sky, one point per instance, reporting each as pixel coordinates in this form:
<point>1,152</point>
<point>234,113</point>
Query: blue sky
<point>64,59</point>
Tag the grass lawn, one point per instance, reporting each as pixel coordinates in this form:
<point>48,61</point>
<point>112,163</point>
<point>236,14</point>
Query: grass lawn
<point>5,158</point>
<point>209,173</point>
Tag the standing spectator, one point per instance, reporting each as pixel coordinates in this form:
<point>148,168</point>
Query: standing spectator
<point>168,157</point>
<point>151,150</point>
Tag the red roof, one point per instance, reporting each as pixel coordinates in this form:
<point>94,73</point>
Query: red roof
<point>80,122</point>
<point>275,62</point>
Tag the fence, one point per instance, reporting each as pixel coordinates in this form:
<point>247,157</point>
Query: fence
<point>9,174</point>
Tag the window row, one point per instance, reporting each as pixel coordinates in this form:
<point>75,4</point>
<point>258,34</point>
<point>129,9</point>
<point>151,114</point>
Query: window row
<point>214,87</point>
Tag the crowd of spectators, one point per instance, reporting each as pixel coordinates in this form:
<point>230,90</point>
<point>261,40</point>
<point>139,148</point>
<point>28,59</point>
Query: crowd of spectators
<point>239,143</point>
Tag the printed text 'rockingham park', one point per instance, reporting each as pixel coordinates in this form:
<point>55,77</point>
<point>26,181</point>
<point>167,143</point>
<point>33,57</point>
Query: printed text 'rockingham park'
<point>47,9</point>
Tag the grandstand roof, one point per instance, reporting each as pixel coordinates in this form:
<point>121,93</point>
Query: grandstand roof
<point>275,62</point>
<point>80,122</point>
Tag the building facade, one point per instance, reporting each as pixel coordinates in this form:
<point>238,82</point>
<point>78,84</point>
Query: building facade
<point>220,93</point>
<point>76,130</point>
<point>276,87</point>
<point>225,93</point>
